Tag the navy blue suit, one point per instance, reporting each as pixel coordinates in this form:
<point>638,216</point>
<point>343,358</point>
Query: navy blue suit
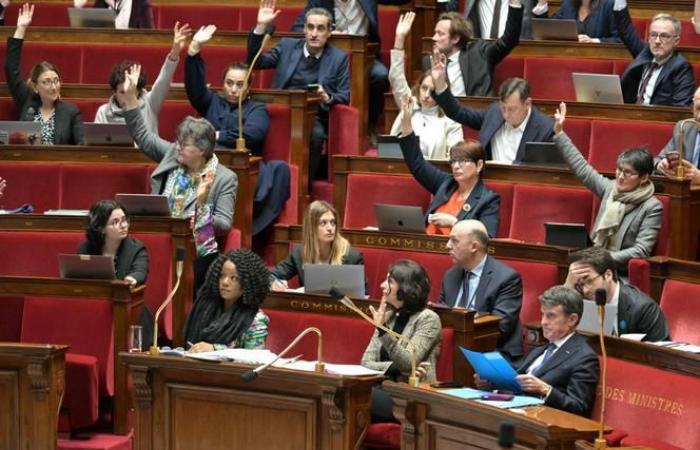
<point>500,292</point>
<point>483,202</point>
<point>675,85</point>
<point>600,23</point>
<point>573,373</point>
<point>489,121</point>
<point>222,114</point>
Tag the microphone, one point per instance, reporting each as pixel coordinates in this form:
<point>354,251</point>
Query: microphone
<point>601,300</point>
<point>179,264</point>
<point>345,301</point>
<point>320,367</point>
<point>240,142</point>
<point>506,435</point>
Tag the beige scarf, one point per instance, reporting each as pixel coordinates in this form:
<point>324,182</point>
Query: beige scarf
<point>617,205</point>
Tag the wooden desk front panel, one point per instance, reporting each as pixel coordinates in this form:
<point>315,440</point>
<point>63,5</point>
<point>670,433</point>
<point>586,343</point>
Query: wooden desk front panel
<point>9,401</point>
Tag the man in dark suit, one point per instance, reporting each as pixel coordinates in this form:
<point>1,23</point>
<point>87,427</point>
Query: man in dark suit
<point>565,372</point>
<point>659,75</point>
<point>469,62</point>
<point>506,125</point>
<point>359,17</point>
<point>483,283</point>
<point>666,163</point>
<point>594,268</point>
<point>303,62</point>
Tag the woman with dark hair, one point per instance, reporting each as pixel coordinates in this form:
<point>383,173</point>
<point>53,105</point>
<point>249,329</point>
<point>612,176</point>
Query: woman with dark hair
<point>107,231</point>
<point>457,196</point>
<point>130,13</point>
<point>403,310</point>
<point>437,132</point>
<point>39,99</point>
<point>594,18</point>
<point>321,243</point>
<point>221,109</point>
<point>151,101</point>
<point>227,312</point>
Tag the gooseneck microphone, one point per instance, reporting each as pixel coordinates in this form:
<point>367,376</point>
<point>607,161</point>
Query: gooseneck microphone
<point>240,142</point>
<point>345,301</point>
<point>179,264</point>
<point>506,435</point>
<point>601,300</point>
<point>320,367</point>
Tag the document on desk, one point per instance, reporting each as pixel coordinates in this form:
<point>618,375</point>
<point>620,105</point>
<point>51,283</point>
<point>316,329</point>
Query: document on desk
<point>335,369</point>
<point>240,355</point>
<point>517,401</point>
<point>493,367</point>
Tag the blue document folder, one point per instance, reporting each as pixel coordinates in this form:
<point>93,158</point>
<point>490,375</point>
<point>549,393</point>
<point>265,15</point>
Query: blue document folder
<point>493,367</point>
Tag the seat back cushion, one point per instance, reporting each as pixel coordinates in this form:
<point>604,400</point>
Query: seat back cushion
<point>445,366</point>
<point>33,253</point>
<point>35,183</point>
<point>680,303</point>
<point>551,78</point>
<point>505,211</point>
<point>11,318</point>
<point>277,143</point>
<point>82,185</point>
<point>610,137</point>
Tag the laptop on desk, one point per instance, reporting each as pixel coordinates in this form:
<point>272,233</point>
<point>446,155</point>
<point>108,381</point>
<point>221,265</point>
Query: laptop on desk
<point>570,235</point>
<point>554,30</point>
<point>107,134</point>
<point>597,88</point>
<point>388,146</point>
<point>543,154</point>
<point>347,278</point>
<point>86,266</point>
<point>409,219</point>
<point>16,132</point>
<point>144,204</point>
<point>91,17</point>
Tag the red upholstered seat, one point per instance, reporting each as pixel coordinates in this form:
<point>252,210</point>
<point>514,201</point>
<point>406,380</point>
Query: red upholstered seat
<point>290,212</point>
<point>88,107</point>
<point>66,57</point>
<point>98,441</point>
<point>47,14</point>
<point>342,140</point>
<point>7,109</point>
<point>171,115</point>
<point>11,318</point>
<point>232,241</point>
<point>579,130</point>
<point>337,348</point>
<point>82,390</point>
<point>639,274</point>
<point>535,205</point>
<point>283,22</point>
<point>388,18</point>
<point>216,59</point>
<point>505,190</point>
<point>278,142</point>
<point>35,183</point>
<point>641,25</point>
<point>84,184</point>
<point>689,38</point>
<point>648,402</point>
<point>383,436</point>
<point>610,137</point>
<point>364,190</point>
<point>512,66</point>
<point>551,78</point>
<point>633,440</point>
<point>34,252</point>
<point>101,58</point>
<point>680,303</point>
<point>225,17</point>
<point>445,364</point>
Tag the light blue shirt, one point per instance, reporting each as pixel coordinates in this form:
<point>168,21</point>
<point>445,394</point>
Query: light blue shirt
<point>473,285</point>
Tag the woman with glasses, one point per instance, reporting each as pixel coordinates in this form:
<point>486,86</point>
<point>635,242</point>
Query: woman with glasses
<point>629,218</point>
<point>594,18</point>
<point>39,98</point>
<point>437,133</point>
<point>107,235</point>
<point>457,196</point>
<point>226,311</point>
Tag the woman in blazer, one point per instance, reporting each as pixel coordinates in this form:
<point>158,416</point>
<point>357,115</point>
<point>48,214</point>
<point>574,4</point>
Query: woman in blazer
<point>39,100</point>
<point>321,244</point>
<point>629,218</point>
<point>594,19</point>
<point>457,196</point>
<point>403,309</point>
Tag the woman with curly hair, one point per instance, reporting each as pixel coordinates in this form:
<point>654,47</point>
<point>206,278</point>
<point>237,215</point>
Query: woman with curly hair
<point>227,312</point>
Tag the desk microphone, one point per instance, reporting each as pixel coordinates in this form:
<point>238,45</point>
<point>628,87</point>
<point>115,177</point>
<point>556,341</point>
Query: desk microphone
<point>240,142</point>
<point>253,374</point>
<point>506,435</point>
<point>345,301</point>
<point>601,300</point>
<point>180,262</point>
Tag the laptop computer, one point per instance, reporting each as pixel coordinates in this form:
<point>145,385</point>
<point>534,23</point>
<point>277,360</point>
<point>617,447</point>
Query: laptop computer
<point>543,154</point>
<point>144,204</point>
<point>16,132</point>
<point>589,320</point>
<point>409,219</point>
<point>554,30</point>
<point>91,17</point>
<point>86,266</point>
<point>107,134</point>
<point>388,146</point>
<point>597,88</point>
<point>570,235</point>
<point>348,279</point>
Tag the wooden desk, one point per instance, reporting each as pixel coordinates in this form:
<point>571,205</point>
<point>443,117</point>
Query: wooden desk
<point>125,309</point>
<point>32,380</point>
<point>182,403</point>
<point>435,421</point>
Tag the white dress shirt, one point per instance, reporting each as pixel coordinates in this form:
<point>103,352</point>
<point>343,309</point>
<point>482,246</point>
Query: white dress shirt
<point>649,91</point>
<point>350,18</point>
<point>454,74</point>
<point>505,143</point>
<point>538,362</point>
<point>474,279</point>
<point>486,8</point>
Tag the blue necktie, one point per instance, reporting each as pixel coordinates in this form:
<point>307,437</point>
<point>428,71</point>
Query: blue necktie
<point>547,354</point>
<point>464,301</point>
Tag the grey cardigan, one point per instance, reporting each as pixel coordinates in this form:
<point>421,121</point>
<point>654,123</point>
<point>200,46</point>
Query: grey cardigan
<point>223,192</point>
<point>636,236</point>
<point>423,329</point>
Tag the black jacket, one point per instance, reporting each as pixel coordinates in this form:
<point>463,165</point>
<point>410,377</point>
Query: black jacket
<point>293,264</point>
<point>638,313</point>
<point>131,259</point>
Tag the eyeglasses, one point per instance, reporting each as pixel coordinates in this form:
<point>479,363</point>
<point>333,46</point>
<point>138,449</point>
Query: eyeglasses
<point>663,37</point>
<point>587,282</point>
<point>462,162</point>
<point>49,83</point>
<point>116,223</point>
<point>626,173</point>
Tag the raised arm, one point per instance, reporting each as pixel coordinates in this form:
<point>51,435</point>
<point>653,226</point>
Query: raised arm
<point>501,47</point>
<point>198,93</point>
<point>628,34</point>
<point>162,84</point>
<point>397,70</point>
<point>17,86</point>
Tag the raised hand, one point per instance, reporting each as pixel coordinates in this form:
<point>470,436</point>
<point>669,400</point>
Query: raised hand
<point>204,187</point>
<point>379,314</point>
<point>24,19</point>
<point>559,118</point>
<point>79,3</point>
<point>3,185</point>
<point>180,36</point>
<point>406,116</point>
<point>131,81</point>
<point>437,70</point>
<point>267,12</point>
<point>403,27</point>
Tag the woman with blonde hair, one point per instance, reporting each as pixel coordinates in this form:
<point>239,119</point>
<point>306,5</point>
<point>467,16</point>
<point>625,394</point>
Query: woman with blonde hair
<point>321,244</point>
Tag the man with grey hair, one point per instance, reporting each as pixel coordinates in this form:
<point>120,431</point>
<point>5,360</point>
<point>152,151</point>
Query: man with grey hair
<point>659,75</point>
<point>565,372</point>
<point>481,282</point>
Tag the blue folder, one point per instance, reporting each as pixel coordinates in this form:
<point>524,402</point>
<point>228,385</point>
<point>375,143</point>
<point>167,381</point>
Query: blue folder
<point>493,367</point>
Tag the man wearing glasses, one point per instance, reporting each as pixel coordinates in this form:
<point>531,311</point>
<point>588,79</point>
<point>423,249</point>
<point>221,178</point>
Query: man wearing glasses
<point>659,75</point>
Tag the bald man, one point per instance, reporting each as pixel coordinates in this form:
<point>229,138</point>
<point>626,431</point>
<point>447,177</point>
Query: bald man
<point>480,282</point>
<point>667,161</point>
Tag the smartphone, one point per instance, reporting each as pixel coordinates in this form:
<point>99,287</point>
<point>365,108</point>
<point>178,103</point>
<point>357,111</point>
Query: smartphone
<point>498,397</point>
<point>312,87</point>
<point>673,159</point>
<point>446,384</point>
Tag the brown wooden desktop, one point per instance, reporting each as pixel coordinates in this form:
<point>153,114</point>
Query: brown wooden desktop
<point>32,380</point>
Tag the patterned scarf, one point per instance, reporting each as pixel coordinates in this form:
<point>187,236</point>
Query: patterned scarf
<point>617,206</point>
<point>181,187</point>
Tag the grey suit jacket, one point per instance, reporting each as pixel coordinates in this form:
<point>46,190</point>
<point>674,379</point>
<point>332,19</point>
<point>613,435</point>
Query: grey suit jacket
<point>223,192</point>
<point>423,330</point>
<point>690,136</point>
<point>636,236</point>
